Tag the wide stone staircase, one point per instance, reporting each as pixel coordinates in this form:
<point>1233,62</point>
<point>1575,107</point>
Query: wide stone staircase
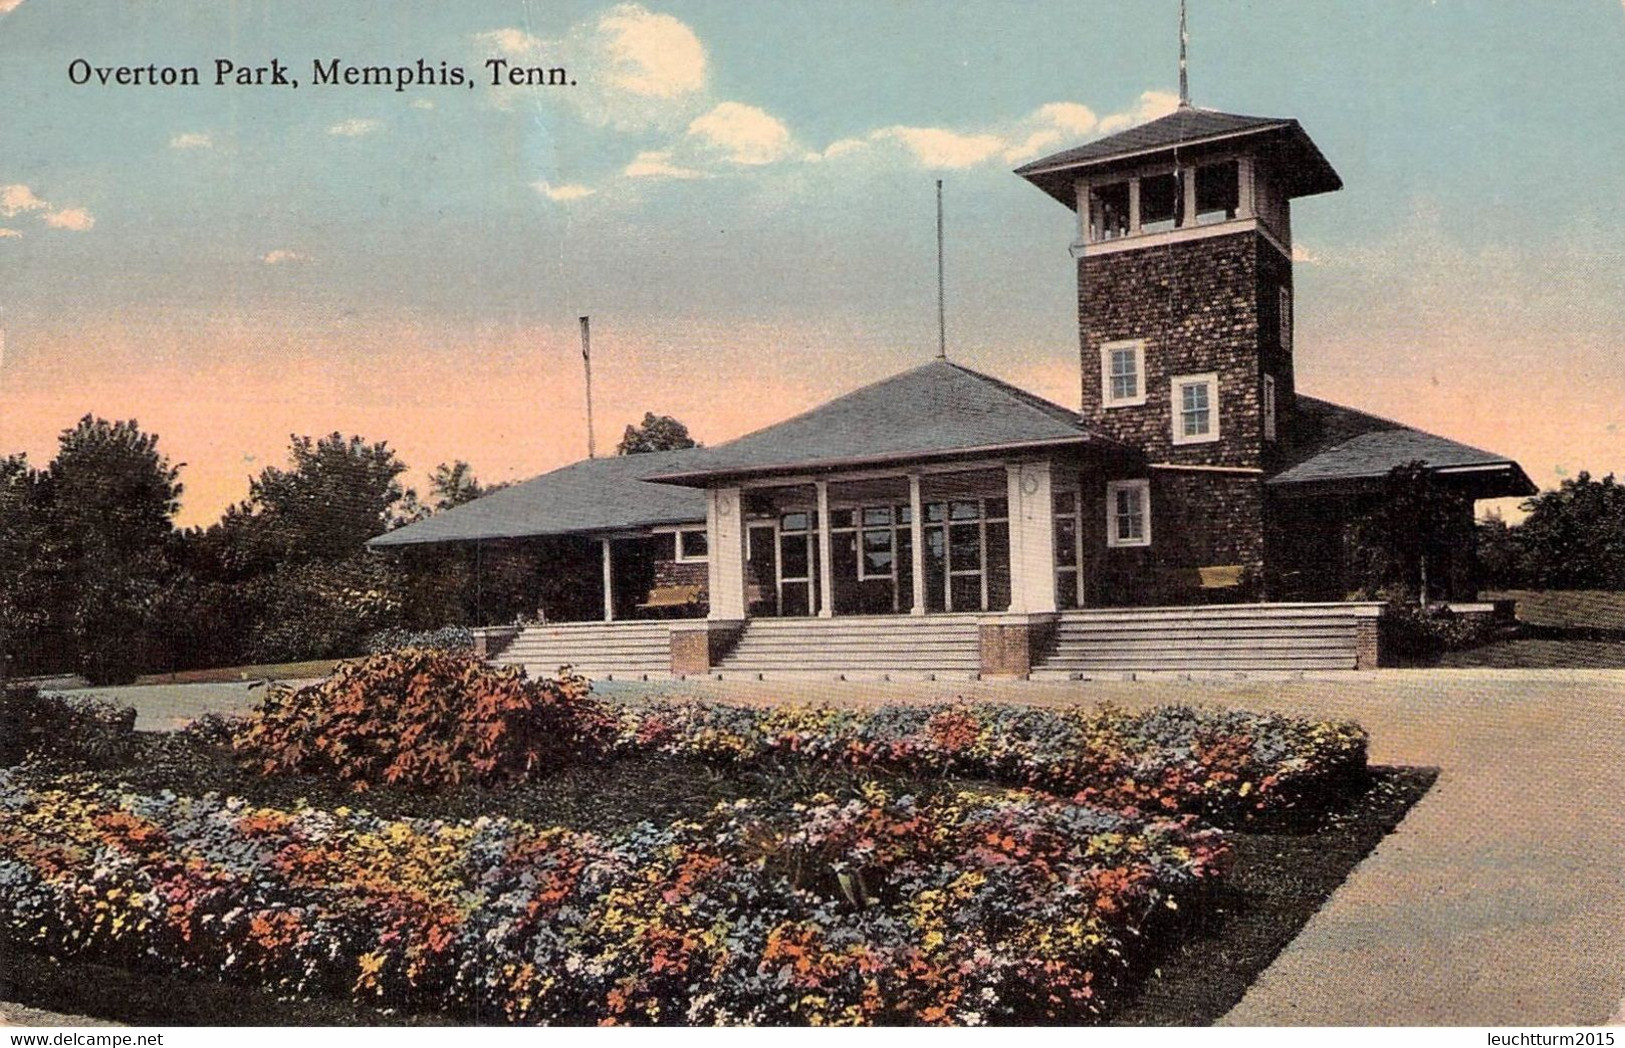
<point>1243,638</point>
<point>601,650</point>
<point>877,647</point>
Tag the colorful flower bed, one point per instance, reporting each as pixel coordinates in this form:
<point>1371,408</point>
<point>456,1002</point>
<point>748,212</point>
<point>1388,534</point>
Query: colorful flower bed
<point>426,718</point>
<point>1224,765</point>
<point>969,907</point>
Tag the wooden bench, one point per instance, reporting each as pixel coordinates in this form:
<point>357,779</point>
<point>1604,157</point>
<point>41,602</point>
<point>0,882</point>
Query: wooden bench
<point>1220,576</point>
<point>671,598</point>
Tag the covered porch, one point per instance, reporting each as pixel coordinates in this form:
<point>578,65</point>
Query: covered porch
<point>978,536</point>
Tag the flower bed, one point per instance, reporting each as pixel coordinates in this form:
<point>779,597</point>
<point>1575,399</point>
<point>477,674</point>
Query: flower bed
<point>425,718</point>
<point>970,907</point>
<point>1224,765</point>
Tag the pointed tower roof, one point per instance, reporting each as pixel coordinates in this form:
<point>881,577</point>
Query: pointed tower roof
<point>1190,132</point>
<point>935,411</point>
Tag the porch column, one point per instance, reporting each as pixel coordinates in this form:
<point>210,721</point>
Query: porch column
<point>826,570</point>
<point>609,583</point>
<point>1032,538</point>
<point>725,565</point>
<point>916,530</point>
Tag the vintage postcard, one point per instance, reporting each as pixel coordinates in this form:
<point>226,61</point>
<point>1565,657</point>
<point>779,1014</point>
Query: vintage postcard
<point>857,512</point>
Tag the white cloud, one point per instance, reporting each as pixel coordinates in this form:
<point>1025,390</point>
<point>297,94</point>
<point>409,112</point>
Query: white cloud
<point>422,103</point>
<point>6,234</point>
<point>1053,126</point>
<point>514,43</point>
<point>355,127</point>
<point>1071,117</point>
<point>562,194</point>
<point>281,257</point>
<point>74,218</point>
<point>1151,105</point>
<point>17,198</point>
<point>652,54</point>
<point>191,140</point>
<point>658,164</point>
<point>746,134</point>
<point>8,6</point>
<point>634,69</point>
<point>1300,253</point>
<point>937,147</point>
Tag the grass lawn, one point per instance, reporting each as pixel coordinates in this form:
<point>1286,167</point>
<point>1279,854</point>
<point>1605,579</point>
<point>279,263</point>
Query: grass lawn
<point>1567,609</point>
<point>227,674</point>
<point>1559,629</point>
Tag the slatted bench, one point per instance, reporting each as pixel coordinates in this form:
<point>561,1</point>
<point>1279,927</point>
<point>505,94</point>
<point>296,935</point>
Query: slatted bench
<point>663,599</point>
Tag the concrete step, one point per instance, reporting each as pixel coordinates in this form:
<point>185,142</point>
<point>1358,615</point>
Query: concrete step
<point>1270,661</point>
<point>606,650</point>
<point>1239,644</point>
<point>1219,612</point>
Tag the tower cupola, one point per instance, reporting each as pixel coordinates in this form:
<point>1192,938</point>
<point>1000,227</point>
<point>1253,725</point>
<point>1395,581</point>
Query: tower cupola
<point>1183,174</point>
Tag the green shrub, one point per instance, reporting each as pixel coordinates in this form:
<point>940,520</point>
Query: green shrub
<point>446,638</point>
<point>1417,635</point>
<point>93,731</point>
<point>423,718</point>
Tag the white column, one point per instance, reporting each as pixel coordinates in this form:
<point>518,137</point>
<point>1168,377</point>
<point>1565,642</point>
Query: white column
<point>1134,207</point>
<point>1246,206</point>
<point>916,531</point>
<point>725,564</point>
<point>826,570</point>
<point>1081,187</point>
<point>1032,537</point>
<point>1188,183</point>
<point>609,583</point>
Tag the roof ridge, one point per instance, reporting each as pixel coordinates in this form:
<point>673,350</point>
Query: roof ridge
<point>1027,398</point>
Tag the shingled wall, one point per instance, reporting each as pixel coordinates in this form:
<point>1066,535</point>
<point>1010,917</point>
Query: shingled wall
<point>1206,305</point>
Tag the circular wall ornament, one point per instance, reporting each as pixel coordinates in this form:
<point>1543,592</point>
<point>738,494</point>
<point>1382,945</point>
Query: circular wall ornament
<point>1029,483</point>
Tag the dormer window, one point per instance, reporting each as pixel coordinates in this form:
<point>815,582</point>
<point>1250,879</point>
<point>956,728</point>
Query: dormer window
<point>1122,374</point>
<point>1218,192</point>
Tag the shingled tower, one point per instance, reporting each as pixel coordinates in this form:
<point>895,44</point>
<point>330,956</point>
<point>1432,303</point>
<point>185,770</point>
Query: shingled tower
<point>1184,256</point>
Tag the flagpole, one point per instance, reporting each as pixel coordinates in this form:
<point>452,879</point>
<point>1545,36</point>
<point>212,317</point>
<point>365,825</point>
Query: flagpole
<point>586,363</point>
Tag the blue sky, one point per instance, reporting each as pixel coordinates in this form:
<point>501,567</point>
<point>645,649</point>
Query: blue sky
<point>741,194</point>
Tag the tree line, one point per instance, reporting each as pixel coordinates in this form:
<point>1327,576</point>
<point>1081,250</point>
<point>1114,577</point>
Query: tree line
<point>95,577</point>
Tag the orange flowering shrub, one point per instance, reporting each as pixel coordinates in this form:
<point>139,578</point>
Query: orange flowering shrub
<point>425,718</point>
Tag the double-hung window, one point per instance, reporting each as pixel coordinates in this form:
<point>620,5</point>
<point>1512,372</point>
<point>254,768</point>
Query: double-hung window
<point>1122,373</point>
<point>1128,513</point>
<point>1195,402</point>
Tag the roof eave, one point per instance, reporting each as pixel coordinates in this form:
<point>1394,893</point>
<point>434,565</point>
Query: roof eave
<point>382,541</point>
<point>1480,476</point>
<point>706,478</point>
<point>1316,177</point>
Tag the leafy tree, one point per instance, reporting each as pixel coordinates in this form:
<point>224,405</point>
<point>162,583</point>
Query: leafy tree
<point>451,484</point>
<point>338,493</point>
<point>1500,560</point>
<point>1574,537</point>
<point>657,433</point>
<point>27,563</point>
<point>112,496</point>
